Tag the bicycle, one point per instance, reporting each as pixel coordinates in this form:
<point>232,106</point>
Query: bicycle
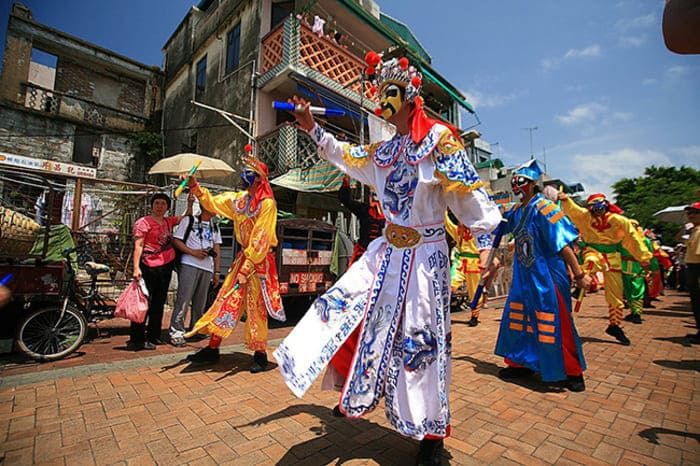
<point>54,331</point>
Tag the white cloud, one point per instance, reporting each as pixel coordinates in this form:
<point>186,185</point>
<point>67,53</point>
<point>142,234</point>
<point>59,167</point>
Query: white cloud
<point>599,170</point>
<point>640,22</point>
<point>585,53</point>
<point>622,116</point>
<point>584,113</point>
<point>649,81</point>
<point>688,155</point>
<point>633,41</point>
<point>486,100</point>
<point>590,51</point>
<point>677,71</point>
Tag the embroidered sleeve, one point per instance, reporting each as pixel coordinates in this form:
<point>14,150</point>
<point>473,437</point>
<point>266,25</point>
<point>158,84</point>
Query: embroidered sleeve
<point>484,241</point>
<point>351,159</point>
<point>452,165</point>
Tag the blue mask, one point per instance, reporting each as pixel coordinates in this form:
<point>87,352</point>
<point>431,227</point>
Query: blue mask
<point>248,178</point>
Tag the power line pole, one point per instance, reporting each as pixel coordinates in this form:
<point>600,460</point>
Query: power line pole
<point>531,129</point>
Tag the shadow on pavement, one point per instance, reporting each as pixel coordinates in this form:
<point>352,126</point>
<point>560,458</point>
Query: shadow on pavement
<point>533,383</point>
<point>651,434</point>
<point>599,340</point>
<point>684,340</point>
<point>229,364</point>
<point>684,365</point>
<point>666,313</point>
<point>342,440</point>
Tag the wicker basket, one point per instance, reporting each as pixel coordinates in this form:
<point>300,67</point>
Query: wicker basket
<point>17,233</point>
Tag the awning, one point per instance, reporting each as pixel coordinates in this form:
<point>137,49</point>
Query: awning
<point>443,85</point>
<point>321,178</point>
<point>490,163</point>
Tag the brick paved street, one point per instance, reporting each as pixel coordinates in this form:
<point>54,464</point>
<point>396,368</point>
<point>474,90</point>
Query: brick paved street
<point>641,406</point>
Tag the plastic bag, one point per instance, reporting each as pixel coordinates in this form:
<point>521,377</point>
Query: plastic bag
<point>133,302</point>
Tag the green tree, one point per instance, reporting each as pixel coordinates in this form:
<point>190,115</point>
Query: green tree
<point>660,187</point>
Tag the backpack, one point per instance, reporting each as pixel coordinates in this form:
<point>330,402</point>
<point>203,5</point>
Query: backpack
<point>178,255</point>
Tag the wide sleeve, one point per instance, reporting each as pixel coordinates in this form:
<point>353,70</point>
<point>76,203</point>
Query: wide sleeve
<point>631,238</point>
<point>463,190</point>
<point>221,204</point>
<point>576,213</point>
<point>262,238</point>
<point>555,229</point>
<point>353,160</point>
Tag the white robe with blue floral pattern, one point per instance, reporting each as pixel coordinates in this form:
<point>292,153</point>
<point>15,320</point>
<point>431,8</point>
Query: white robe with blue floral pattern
<point>399,296</point>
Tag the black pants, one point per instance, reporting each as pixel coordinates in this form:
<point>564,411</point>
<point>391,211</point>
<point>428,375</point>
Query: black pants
<point>157,280</point>
<point>692,275</point>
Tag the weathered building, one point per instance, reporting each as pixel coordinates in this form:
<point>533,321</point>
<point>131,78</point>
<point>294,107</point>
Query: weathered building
<point>241,55</point>
<point>65,100</point>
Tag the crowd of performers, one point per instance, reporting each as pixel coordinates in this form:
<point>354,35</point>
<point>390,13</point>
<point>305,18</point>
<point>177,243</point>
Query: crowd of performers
<point>382,331</point>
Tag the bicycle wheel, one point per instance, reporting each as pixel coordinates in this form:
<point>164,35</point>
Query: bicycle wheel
<point>47,334</point>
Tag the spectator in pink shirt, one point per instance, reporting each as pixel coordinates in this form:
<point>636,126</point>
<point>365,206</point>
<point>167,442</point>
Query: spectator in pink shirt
<point>154,259</point>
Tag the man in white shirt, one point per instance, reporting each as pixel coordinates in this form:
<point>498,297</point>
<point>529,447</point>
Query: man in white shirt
<point>198,240</point>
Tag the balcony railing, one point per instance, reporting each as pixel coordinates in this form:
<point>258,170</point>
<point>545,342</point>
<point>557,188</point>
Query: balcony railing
<point>75,108</point>
<point>292,45</point>
<point>286,147</point>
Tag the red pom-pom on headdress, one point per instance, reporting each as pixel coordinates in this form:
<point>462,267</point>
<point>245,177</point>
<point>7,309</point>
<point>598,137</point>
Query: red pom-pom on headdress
<point>378,111</point>
<point>248,148</point>
<point>403,63</point>
<point>372,58</point>
<point>416,81</point>
<point>370,71</point>
<point>373,90</point>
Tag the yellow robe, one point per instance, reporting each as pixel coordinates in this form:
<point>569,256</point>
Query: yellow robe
<point>466,264</point>
<point>256,233</point>
<point>604,238</point>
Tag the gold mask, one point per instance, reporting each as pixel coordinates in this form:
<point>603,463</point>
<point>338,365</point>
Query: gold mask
<point>390,100</point>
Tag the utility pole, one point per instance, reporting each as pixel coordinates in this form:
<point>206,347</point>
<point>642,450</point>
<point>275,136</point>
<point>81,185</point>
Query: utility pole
<point>544,159</point>
<point>531,129</point>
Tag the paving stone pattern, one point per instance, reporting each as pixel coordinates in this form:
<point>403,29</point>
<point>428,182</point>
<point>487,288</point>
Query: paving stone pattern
<point>640,407</point>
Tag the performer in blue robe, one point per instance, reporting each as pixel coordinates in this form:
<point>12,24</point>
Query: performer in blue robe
<point>537,332</point>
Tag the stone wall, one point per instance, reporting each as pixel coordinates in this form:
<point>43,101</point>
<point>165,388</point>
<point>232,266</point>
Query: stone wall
<point>100,86</point>
<point>33,135</point>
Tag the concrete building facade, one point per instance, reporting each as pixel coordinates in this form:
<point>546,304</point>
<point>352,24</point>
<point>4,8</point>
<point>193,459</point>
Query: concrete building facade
<point>65,100</point>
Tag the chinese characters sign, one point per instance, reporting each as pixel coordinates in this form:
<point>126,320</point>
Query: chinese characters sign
<point>50,166</point>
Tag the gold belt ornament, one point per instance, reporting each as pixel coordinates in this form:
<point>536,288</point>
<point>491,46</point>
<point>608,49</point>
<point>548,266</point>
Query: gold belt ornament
<point>402,237</point>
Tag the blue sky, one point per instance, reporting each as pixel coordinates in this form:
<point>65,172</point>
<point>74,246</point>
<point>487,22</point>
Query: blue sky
<point>595,77</point>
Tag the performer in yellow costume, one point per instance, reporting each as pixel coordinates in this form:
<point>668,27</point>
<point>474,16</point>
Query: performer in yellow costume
<point>251,285</point>
<point>605,233</point>
<point>466,264</point>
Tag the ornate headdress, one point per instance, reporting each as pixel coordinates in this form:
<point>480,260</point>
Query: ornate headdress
<point>530,170</point>
<point>253,163</point>
<point>393,71</point>
<point>600,197</point>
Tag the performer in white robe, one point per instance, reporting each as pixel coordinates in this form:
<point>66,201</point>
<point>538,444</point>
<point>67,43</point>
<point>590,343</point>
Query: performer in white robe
<point>399,291</point>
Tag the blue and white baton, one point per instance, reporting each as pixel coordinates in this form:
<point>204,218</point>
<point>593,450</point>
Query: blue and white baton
<point>286,106</point>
